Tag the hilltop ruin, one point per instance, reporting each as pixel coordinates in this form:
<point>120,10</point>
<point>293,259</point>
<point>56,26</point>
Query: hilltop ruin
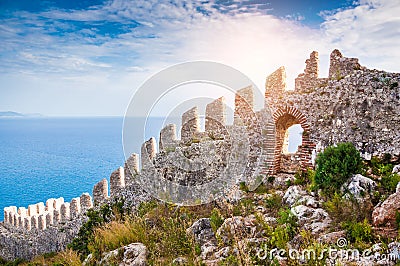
<point>353,104</point>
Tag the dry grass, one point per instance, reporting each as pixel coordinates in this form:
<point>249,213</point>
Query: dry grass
<point>67,257</point>
<point>162,230</point>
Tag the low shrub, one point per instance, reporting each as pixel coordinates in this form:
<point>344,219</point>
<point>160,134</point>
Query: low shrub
<point>343,210</point>
<point>216,219</point>
<point>359,233</point>
<point>162,230</point>
<point>96,218</point>
<point>334,166</point>
<point>304,177</point>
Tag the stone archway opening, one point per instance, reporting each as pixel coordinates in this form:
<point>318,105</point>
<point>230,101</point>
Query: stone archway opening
<point>293,139</point>
<point>287,162</point>
<point>288,121</point>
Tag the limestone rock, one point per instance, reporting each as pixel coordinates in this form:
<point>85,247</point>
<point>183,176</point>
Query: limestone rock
<point>202,231</point>
<point>315,220</point>
<point>359,186</point>
<point>396,169</point>
<point>282,180</point>
<point>133,255</point>
<point>180,261</point>
<point>385,214</point>
<point>238,226</point>
<point>331,238</point>
<point>295,195</point>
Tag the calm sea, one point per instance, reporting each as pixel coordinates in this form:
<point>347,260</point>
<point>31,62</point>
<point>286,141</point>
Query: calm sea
<point>43,158</point>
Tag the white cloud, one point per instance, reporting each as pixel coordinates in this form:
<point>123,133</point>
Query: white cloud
<point>52,47</point>
<point>370,31</point>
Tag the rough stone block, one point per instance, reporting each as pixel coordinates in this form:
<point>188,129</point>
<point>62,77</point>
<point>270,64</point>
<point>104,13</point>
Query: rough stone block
<point>58,203</point>
<point>42,222</point>
<point>50,203</point>
<point>75,207</point>
<point>340,66</point>
<point>49,218</point>
<point>21,221</point>
<point>86,202</point>
<point>148,152</point>
<point>22,211</point>
<point>168,137</point>
<point>32,209</point>
<point>6,212</point>
<point>56,216</point>
<point>27,223</point>
<point>117,181</point>
<point>11,218</point>
<point>65,212</point>
<point>100,192</point>
<point>15,219</point>
<point>276,83</point>
<point>215,116</point>
<point>190,124</point>
<point>34,222</point>
<point>40,208</point>
<point>131,168</point>
<point>244,105</point>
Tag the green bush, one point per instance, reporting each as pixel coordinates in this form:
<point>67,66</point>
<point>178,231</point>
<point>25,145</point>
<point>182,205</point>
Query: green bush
<point>11,263</point>
<point>334,167</point>
<point>162,230</point>
<point>304,177</point>
<point>261,189</point>
<point>343,210</point>
<point>216,219</point>
<point>244,207</point>
<point>243,187</point>
<point>107,213</point>
<point>389,183</point>
<point>289,220</point>
<point>359,233</point>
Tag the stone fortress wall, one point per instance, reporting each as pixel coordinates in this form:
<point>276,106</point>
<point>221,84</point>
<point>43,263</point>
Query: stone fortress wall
<point>40,216</point>
<point>352,104</point>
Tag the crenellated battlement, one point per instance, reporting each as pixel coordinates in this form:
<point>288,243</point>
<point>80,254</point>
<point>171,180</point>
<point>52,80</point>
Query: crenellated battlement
<point>347,106</point>
<point>41,216</point>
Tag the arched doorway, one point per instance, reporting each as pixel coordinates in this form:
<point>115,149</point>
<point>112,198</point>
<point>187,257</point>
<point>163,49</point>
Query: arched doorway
<point>286,159</point>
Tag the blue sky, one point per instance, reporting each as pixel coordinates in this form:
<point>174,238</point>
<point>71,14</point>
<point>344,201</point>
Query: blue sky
<point>83,58</point>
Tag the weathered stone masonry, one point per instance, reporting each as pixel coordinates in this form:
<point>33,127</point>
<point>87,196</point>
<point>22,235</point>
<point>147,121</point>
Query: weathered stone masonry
<point>353,104</point>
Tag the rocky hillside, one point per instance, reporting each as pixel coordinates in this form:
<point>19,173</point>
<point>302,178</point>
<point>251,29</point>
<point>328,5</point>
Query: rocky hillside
<point>283,221</point>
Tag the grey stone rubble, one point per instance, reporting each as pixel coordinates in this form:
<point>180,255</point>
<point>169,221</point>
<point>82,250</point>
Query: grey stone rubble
<point>359,187</point>
<point>353,104</point>
<point>133,254</point>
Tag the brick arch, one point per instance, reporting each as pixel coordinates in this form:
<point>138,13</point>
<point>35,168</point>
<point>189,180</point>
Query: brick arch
<point>283,119</point>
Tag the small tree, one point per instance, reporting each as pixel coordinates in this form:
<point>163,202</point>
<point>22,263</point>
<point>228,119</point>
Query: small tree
<point>335,165</point>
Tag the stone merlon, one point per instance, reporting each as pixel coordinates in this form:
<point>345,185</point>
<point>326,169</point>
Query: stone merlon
<point>117,181</point>
<point>168,137</point>
<point>100,192</point>
<point>148,152</point>
<point>190,124</point>
<point>215,115</point>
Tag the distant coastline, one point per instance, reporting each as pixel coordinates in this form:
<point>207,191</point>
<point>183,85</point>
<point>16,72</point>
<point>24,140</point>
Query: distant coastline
<point>7,114</point>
